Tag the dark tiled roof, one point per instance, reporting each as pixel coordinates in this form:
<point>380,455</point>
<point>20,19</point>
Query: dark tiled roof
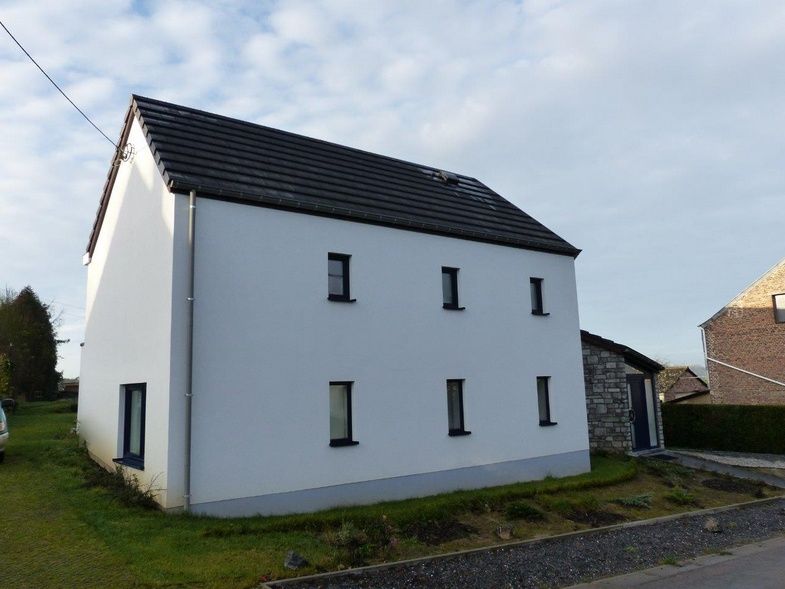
<point>229,159</point>
<point>631,356</point>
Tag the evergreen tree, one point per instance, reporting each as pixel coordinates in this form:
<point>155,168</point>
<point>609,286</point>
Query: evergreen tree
<point>27,339</point>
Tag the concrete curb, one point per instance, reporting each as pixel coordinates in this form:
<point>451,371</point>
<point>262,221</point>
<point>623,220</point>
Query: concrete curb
<point>516,543</point>
<point>664,572</point>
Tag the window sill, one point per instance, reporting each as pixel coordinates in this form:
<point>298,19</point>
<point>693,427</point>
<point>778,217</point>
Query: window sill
<point>458,432</point>
<point>337,299</point>
<point>134,463</point>
<point>449,307</point>
<point>540,313</point>
<point>548,423</point>
<point>340,443</point>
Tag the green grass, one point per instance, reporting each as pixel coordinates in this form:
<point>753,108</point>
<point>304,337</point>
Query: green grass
<point>59,530</point>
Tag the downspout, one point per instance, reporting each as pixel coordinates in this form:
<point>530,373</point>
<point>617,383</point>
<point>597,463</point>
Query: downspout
<point>190,350</point>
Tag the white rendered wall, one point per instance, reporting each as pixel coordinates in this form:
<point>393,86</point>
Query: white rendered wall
<point>129,316</point>
<point>268,342</point>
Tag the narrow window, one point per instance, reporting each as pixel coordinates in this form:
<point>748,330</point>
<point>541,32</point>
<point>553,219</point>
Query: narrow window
<point>338,278</point>
<point>450,289</point>
<point>779,308</point>
<point>455,408</point>
<point>544,400</point>
<point>535,286</point>
<point>134,399</point>
<point>341,414</point>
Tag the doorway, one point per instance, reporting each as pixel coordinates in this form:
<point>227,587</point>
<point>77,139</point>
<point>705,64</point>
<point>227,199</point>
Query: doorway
<point>644,431</point>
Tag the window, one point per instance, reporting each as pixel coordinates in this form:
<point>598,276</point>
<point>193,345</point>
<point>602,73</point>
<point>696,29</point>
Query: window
<point>779,308</point>
<point>341,414</point>
<point>544,400</point>
<point>134,399</point>
<point>450,289</point>
<point>338,278</point>
<point>455,408</point>
<point>535,286</point>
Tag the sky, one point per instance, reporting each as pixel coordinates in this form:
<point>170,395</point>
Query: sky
<point>649,134</point>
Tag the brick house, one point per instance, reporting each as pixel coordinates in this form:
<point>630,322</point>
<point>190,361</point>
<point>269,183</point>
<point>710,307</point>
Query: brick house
<point>680,384</point>
<point>745,344</point>
<point>622,407</point>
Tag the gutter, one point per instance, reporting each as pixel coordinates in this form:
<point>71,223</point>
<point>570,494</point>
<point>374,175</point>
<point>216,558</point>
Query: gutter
<point>190,347</point>
<point>731,366</point>
<point>766,378</point>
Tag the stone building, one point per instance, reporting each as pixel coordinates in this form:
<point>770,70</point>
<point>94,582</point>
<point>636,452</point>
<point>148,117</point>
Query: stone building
<point>745,344</point>
<point>621,405</point>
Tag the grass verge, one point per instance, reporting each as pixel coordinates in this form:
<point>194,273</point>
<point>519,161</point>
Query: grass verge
<point>69,523</point>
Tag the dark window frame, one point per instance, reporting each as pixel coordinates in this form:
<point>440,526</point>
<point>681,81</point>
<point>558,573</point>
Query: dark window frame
<point>547,421</point>
<point>129,458</point>
<point>461,431</point>
<point>453,274</point>
<point>345,267</point>
<point>347,441</point>
<point>538,307</point>
<point>774,306</point>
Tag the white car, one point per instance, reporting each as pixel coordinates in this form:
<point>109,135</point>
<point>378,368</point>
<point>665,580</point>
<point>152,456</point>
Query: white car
<point>3,433</point>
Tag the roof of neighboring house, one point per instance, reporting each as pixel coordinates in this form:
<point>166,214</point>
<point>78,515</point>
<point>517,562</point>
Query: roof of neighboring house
<point>686,396</point>
<point>67,382</point>
<point>234,160</point>
<point>680,381</point>
<point>631,356</point>
<point>743,292</point>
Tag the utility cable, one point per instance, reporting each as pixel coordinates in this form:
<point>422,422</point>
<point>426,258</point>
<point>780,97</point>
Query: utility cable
<point>81,112</point>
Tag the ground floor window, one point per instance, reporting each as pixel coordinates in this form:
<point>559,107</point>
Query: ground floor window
<point>341,414</point>
<point>544,400</point>
<point>456,426</point>
<point>134,399</point>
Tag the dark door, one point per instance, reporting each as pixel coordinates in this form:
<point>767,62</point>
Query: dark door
<point>639,414</point>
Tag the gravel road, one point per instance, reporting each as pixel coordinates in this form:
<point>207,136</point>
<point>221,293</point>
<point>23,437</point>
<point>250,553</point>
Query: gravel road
<point>569,560</point>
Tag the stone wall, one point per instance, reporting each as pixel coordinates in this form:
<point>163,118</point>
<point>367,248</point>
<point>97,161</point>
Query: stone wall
<point>605,379</point>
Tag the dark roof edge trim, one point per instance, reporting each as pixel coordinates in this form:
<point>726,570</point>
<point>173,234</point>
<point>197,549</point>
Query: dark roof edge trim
<point>348,214</point>
<point>109,184</point>
<point>630,356</point>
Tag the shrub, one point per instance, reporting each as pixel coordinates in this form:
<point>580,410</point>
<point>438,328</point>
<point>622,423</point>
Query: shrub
<point>637,501</point>
<point>122,485</point>
<point>524,510</point>
<point>736,428</point>
<point>681,496</point>
<point>672,475</point>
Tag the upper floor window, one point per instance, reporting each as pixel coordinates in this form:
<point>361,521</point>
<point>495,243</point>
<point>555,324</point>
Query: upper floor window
<point>544,400</point>
<point>134,399</point>
<point>455,408</point>
<point>535,286</point>
<point>341,414</point>
<point>450,289</point>
<point>779,308</point>
<point>338,278</point>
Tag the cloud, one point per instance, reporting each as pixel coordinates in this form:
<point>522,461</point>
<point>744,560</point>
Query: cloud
<point>648,134</point>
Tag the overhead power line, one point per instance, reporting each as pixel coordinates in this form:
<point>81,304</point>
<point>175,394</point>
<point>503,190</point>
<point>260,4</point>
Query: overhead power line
<point>81,112</point>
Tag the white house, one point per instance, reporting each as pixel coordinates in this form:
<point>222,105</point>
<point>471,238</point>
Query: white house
<point>279,324</point>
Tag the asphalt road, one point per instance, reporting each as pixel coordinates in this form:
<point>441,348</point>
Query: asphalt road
<point>753,566</point>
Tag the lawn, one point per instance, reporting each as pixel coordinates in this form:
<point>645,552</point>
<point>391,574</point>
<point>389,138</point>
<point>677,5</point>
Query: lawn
<point>64,527</point>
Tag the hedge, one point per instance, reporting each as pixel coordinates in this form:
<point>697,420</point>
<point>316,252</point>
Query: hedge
<point>735,428</point>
